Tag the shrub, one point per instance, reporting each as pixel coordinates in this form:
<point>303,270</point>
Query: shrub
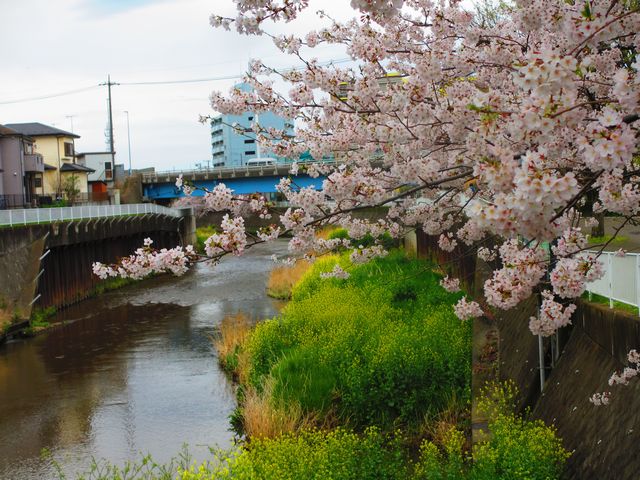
<point>310,455</point>
<point>517,448</point>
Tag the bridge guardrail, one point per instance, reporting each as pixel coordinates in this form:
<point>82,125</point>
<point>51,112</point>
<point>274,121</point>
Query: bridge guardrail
<point>28,216</point>
<point>277,168</point>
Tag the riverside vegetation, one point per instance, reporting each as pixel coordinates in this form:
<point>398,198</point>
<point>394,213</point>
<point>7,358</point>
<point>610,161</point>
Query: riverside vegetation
<point>367,377</point>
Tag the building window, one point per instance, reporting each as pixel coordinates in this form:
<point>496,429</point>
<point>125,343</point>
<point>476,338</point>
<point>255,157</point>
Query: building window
<point>108,173</point>
<point>250,141</point>
<point>250,152</point>
<point>68,149</point>
<point>28,148</point>
<point>37,182</point>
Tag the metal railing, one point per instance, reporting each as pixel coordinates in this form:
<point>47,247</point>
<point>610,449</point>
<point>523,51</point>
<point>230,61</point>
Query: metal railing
<point>621,279</point>
<point>28,216</point>
<point>38,200</point>
<point>257,170</point>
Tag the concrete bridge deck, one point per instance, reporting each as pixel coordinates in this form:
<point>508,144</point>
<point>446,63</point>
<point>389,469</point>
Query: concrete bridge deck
<point>242,180</point>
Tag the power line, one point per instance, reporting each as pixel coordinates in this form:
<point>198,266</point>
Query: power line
<point>229,77</point>
<point>51,95</point>
<point>160,82</point>
<point>191,80</point>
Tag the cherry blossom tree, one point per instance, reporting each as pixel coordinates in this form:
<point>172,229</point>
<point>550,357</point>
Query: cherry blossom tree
<point>488,133</point>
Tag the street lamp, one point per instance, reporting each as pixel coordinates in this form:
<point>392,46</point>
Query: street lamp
<point>128,140</point>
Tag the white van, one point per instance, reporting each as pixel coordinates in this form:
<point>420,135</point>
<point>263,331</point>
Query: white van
<point>260,162</point>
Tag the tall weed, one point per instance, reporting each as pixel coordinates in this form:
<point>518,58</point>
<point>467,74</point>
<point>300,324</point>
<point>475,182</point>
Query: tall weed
<point>282,279</point>
<point>233,331</point>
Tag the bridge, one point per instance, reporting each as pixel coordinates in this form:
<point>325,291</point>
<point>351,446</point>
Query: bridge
<point>160,186</point>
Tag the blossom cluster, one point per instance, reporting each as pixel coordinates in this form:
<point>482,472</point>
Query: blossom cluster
<point>337,272</point>
<point>147,261</point>
<point>552,316</point>
<point>570,276</point>
<point>465,310</point>
<point>523,269</point>
<point>233,238</point>
<point>451,285</point>
<point>502,127</point>
<point>364,255</point>
<point>619,378</point>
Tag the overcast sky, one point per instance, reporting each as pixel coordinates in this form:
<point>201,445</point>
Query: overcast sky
<point>49,47</point>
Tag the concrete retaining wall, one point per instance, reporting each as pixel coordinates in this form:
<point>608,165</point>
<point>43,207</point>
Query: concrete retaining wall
<point>73,247</point>
<point>604,440</point>
<point>19,266</point>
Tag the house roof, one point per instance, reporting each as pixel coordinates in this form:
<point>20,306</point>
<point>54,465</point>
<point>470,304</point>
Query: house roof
<point>75,167</point>
<point>35,129</point>
<point>7,131</point>
<point>49,167</point>
<point>92,153</point>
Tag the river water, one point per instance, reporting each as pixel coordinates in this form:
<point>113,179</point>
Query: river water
<point>131,372</point>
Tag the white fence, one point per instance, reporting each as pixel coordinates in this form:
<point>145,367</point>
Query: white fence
<point>47,215</point>
<point>621,280</point>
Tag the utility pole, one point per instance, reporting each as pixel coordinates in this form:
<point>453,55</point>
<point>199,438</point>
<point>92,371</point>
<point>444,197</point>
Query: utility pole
<point>113,165</point>
<point>128,141</point>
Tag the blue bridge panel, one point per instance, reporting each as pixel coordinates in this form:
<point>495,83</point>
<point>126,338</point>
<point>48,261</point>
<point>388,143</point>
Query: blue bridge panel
<point>240,185</point>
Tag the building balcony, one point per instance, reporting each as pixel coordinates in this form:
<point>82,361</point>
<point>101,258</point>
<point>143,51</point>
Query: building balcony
<point>33,163</point>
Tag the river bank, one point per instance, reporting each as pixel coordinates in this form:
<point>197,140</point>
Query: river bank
<point>368,376</point>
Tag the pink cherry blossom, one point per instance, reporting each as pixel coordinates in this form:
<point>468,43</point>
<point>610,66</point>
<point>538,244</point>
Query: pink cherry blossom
<point>465,310</point>
<point>450,284</point>
<point>552,316</point>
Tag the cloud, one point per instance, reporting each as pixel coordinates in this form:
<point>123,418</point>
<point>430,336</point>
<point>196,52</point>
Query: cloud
<point>51,47</point>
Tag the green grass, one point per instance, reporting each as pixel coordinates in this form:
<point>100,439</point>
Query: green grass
<point>604,239</point>
<point>38,320</point>
<point>601,300</point>
<point>380,348</point>
<point>111,284</point>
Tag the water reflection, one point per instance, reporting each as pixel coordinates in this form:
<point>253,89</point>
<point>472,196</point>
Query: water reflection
<point>130,372</point>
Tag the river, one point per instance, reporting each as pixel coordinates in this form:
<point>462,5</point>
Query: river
<point>130,372</point>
